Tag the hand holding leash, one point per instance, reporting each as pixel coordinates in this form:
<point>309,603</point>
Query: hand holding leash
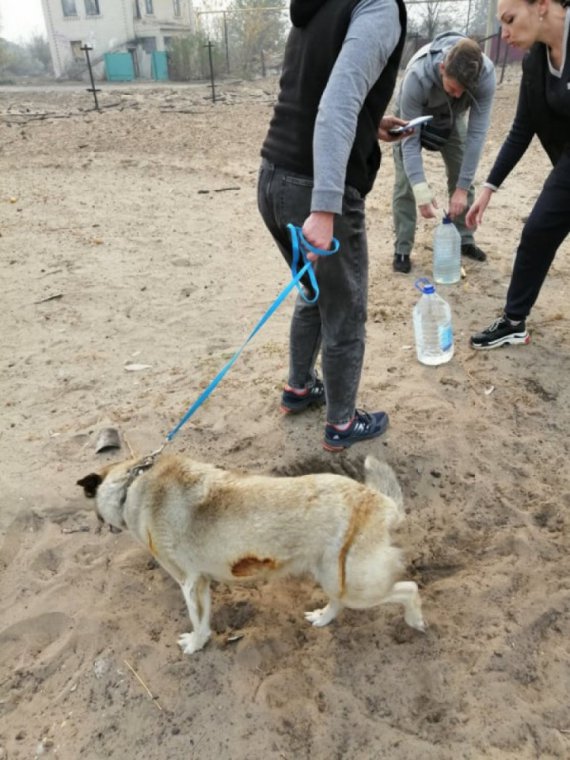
<point>318,231</point>
<point>302,249</point>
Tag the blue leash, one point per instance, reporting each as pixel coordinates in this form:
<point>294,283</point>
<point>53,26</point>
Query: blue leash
<point>300,248</point>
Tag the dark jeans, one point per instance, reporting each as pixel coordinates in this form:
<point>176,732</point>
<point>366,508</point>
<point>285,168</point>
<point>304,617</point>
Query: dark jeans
<point>336,323</point>
<point>543,233</point>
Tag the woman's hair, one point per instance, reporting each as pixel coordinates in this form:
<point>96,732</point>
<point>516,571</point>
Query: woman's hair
<point>464,63</point>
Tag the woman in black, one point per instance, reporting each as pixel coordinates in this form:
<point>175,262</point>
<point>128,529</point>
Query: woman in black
<point>543,28</point>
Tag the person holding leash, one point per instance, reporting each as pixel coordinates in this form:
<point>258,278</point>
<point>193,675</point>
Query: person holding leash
<point>446,79</point>
<point>319,161</point>
<point>543,28</point>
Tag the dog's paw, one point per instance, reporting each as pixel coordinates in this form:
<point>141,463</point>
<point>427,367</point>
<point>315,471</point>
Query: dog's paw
<point>190,642</point>
<point>417,622</point>
<point>322,617</point>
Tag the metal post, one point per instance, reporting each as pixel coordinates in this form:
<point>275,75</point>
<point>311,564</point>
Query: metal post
<point>262,58</point>
<point>93,89</point>
<point>491,21</point>
<point>498,48</point>
<point>226,42</point>
<point>505,59</point>
<point>210,46</point>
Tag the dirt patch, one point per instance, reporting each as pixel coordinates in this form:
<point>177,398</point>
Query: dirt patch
<point>132,238</point>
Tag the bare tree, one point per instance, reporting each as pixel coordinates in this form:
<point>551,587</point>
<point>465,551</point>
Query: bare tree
<point>478,20</point>
<point>38,48</point>
<point>2,47</point>
<point>256,29</point>
<point>431,17</point>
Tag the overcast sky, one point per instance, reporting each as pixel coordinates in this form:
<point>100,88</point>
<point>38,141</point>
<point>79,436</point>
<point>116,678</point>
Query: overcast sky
<point>20,19</point>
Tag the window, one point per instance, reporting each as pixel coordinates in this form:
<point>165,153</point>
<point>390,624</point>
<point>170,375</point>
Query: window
<point>69,8</point>
<point>177,9</point>
<point>76,52</point>
<point>92,8</point>
<point>148,7</point>
<point>148,44</point>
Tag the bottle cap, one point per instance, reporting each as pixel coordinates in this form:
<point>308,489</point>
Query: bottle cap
<point>424,285</point>
<point>446,218</point>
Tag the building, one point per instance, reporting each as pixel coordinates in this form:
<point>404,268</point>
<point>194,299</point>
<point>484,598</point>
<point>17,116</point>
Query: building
<point>128,38</point>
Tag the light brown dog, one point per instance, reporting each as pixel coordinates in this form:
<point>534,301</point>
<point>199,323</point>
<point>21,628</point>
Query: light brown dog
<point>203,523</point>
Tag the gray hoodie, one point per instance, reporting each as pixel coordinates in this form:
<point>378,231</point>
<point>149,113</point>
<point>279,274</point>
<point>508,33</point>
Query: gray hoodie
<point>421,93</point>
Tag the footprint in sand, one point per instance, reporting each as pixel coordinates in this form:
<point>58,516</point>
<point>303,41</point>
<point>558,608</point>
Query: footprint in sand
<point>33,634</point>
<point>47,563</point>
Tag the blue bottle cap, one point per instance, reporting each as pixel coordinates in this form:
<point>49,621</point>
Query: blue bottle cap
<point>424,285</point>
<point>446,218</point>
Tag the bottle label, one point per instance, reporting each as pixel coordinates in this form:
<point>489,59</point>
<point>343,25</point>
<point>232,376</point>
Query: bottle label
<point>445,337</point>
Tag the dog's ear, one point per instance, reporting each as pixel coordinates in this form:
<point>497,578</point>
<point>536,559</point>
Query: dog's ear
<point>90,483</point>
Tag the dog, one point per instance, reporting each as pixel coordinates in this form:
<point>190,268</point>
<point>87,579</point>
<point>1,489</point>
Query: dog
<point>201,522</point>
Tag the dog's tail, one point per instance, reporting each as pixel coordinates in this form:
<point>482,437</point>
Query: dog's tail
<point>381,477</point>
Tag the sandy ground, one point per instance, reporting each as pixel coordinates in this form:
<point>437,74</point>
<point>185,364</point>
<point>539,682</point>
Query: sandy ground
<point>132,237</point>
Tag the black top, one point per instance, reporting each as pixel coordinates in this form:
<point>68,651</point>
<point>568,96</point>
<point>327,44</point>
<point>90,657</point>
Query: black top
<point>313,46</point>
<point>543,109</point>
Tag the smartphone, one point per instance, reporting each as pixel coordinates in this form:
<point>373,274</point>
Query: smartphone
<point>410,125</point>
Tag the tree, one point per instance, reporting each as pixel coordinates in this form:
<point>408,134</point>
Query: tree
<point>188,57</point>
<point>2,48</point>
<point>29,59</point>
<point>478,17</point>
<point>255,29</point>
<point>38,48</point>
<point>434,16</point>
<point>429,18</point>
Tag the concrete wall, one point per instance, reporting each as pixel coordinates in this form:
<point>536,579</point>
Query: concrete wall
<point>115,28</point>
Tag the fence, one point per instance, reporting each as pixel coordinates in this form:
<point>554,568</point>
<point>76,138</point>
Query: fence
<point>250,42</point>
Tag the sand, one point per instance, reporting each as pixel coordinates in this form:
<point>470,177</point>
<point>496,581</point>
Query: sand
<point>132,237</point>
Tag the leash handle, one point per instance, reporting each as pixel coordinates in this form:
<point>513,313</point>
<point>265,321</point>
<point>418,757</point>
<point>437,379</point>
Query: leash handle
<point>300,246</point>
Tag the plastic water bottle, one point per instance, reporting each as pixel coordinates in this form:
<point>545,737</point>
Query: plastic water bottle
<point>432,325</point>
<point>446,252</point>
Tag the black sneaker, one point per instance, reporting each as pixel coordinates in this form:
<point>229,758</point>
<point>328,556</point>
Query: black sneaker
<point>362,427</point>
<point>499,332</point>
<point>402,263</point>
<point>472,251</point>
<point>292,403</point>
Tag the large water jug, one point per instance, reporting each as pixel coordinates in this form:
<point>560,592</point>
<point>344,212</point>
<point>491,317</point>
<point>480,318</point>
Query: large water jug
<point>432,325</point>
<point>446,252</point>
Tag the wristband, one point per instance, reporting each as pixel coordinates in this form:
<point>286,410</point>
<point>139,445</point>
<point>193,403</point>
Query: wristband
<point>491,187</point>
<point>422,193</point>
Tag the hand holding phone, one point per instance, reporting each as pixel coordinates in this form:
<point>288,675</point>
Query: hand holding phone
<point>410,126</point>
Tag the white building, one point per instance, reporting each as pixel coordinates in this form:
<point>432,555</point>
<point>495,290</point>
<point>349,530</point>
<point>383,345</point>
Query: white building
<point>137,27</point>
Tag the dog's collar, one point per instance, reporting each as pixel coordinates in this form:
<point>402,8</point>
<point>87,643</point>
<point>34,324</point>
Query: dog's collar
<point>135,471</point>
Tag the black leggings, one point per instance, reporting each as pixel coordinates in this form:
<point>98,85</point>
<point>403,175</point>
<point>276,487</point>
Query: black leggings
<point>543,233</point>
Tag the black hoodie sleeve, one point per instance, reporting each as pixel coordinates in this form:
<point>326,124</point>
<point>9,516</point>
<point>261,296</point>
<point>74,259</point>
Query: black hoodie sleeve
<point>516,142</point>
